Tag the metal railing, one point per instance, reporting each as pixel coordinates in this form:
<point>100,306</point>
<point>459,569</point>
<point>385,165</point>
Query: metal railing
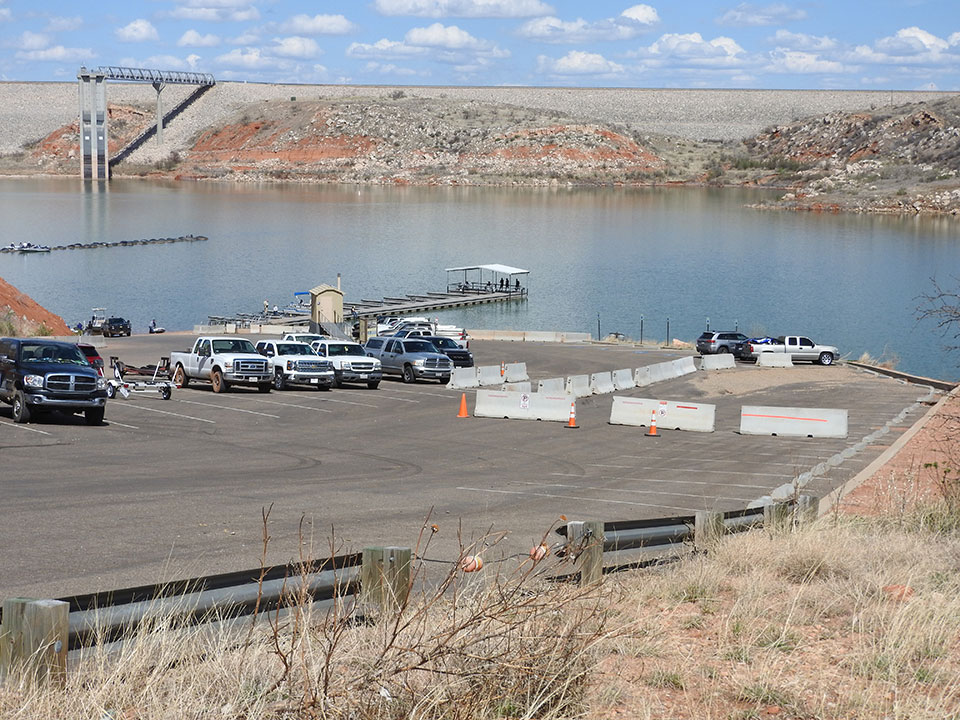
<point>169,77</point>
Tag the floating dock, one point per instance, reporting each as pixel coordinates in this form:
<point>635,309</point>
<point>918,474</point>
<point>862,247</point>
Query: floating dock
<point>119,243</point>
<point>410,304</point>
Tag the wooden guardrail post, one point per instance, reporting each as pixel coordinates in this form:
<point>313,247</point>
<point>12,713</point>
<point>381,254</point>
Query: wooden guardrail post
<point>585,539</point>
<point>385,576</point>
<point>808,509</point>
<point>707,529</point>
<point>776,516</point>
<point>33,639</point>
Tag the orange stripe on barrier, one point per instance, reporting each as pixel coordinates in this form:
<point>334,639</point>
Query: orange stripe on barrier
<point>785,417</point>
<point>687,407</point>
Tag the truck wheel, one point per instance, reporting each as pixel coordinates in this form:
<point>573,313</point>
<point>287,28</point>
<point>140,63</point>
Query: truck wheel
<point>180,378</point>
<point>21,412</point>
<point>408,376</point>
<point>337,379</point>
<point>826,358</point>
<point>279,381</point>
<point>111,391</point>
<point>373,385</point>
<point>94,416</point>
<point>216,379</point>
<point>165,393</point>
<point>264,387</point>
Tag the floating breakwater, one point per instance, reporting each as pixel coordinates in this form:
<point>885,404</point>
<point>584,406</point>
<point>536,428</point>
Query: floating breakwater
<point>119,243</point>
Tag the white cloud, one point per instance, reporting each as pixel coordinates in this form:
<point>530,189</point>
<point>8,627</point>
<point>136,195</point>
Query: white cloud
<point>191,38</point>
<point>250,59</point>
<point>216,11</point>
<point>445,36</point>
<point>630,23</point>
<point>139,30</point>
<point>318,25</point>
<point>389,69</point>
<point>383,48</point>
<point>295,47</point>
<point>577,62</point>
<point>692,49</point>
<point>747,15</point>
<point>800,41</point>
<point>58,53</point>
<point>954,39</point>
<point>192,60</point>
<point>64,24</point>
<point>796,61</point>
<point>908,47</point>
<point>248,37</point>
<point>464,8</point>
<point>5,15</point>
<point>32,41</point>
<point>911,41</point>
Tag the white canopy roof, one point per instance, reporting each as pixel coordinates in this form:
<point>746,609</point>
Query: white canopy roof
<point>505,269</point>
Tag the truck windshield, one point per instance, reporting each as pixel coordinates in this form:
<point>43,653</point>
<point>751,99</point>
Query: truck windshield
<point>442,342</point>
<point>416,346</point>
<point>294,349</point>
<point>41,353</point>
<point>234,346</point>
<point>338,349</point>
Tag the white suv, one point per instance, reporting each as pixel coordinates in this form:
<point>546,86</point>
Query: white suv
<point>296,363</point>
<point>350,362</point>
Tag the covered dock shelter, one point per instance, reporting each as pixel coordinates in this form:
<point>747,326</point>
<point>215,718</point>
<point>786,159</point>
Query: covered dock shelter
<point>492,278</point>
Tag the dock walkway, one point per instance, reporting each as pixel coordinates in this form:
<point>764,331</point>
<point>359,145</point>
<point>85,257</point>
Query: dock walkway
<point>424,303</point>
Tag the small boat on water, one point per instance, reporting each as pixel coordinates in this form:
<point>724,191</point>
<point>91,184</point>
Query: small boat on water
<point>28,247</point>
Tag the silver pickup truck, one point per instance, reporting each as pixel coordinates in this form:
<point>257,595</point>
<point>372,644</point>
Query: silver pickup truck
<point>798,347</point>
<point>412,359</point>
<point>224,361</point>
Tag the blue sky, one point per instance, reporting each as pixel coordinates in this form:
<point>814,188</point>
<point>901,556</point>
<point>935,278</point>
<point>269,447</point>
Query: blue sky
<point>904,45</point>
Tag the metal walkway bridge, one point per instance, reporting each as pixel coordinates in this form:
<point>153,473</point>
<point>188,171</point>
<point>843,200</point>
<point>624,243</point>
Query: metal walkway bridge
<point>94,163</point>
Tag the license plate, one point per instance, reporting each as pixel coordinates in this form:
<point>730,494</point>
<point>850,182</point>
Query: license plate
<point>363,377</point>
<point>314,380</point>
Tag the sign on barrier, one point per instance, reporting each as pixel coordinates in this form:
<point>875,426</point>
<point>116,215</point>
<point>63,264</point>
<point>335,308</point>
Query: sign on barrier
<point>516,372</point>
<point>623,380</point>
<point>697,417</point>
<point>552,385</point>
<point>601,383</point>
<point>489,375</point>
<point>793,422</point>
<point>773,359</point>
<point>516,387</point>
<point>578,386</point>
<point>523,406</point>
<point>722,361</point>
<point>463,378</point>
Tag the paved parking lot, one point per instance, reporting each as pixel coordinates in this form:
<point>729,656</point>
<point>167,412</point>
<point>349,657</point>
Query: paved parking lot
<point>170,489</point>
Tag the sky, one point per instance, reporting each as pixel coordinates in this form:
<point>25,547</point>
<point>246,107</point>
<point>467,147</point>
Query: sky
<point>816,44</point>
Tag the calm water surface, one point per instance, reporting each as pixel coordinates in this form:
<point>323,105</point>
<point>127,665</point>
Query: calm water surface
<point>678,253</point>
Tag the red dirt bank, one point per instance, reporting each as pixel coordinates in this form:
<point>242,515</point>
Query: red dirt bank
<point>26,314</point>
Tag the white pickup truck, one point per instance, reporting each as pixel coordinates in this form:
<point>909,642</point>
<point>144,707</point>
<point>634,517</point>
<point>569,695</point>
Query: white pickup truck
<point>798,347</point>
<point>224,361</point>
<point>350,362</point>
<point>296,363</point>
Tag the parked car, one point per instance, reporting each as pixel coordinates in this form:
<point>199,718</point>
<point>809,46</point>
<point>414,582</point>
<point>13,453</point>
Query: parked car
<point>412,359</point>
<point>116,326</point>
<point>413,332</point>
<point>451,348</point>
<point>798,348</point>
<point>350,362</point>
<point>92,356</point>
<point>296,363</point>
<point>38,376</point>
<point>308,338</point>
<point>722,341</point>
<point>224,361</point>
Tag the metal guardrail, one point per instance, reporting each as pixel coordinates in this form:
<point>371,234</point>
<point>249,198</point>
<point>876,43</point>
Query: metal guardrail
<point>170,77</point>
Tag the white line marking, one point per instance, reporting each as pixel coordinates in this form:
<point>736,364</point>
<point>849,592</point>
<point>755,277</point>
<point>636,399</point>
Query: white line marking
<point>625,467</point>
<point>21,427</point>
<point>715,472</point>
<point>421,392</point>
<point>114,422</point>
<point>575,497</point>
<point>661,482</point>
<point>166,412</point>
<point>345,402</point>
<point>390,397</point>
<point>665,482</point>
<point>226,407</point>
<point>302,407</point>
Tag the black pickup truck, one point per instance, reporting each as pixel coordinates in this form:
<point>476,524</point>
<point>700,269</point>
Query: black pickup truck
<point>116,326</point>
<point>39,376</point>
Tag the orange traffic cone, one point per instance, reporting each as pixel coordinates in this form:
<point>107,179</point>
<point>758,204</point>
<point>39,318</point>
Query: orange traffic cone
<point>503,368</point>
<point>573,416</point>
<point>652,432</point>
<point>463,406</point>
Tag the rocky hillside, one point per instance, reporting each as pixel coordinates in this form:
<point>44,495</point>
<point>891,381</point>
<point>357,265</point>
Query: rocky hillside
<point>20,315</point>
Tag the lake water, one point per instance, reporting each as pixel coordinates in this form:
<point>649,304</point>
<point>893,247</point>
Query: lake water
<point>686,254</point>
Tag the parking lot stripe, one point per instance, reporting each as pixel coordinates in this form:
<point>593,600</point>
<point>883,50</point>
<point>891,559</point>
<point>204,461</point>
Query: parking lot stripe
<point>669,482</point>
<point>114,422</point>
<point>293,405</point>
<point>574,497</point>
<point>226,407</point>
<point>625,467</point>
<point>21,427</point>
<point>423,392</point>
<point>167,412</point>
<point>390,397</point>
<point>633,490</point>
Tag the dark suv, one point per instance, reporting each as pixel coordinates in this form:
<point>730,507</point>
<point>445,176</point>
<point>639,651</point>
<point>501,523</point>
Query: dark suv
<point>116,326</point>
<point>719,342</point>
<point>452,349</point>
<point>42,375</point>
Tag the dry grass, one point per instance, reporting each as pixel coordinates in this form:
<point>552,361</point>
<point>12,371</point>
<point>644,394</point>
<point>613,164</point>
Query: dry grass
<point>851,618</point>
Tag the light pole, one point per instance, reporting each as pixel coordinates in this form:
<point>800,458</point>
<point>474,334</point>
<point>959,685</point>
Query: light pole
<point>641,329</point>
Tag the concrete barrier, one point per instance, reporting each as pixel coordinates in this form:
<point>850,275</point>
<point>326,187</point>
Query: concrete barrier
<point>523,406</point>
<point>489,375</point>
<point>684,366</point>
<point>517,387</point>
<point>772,359</point>
<point>516,372</point>
<point>643,376</point>
<point>551,385</point>
<point>722,361</point>
<point>463,378</point>
<point>623,380</point>
<point>793,422</point>
<point>578,386</point>
<point>661,371</point>
<point>696,417</point>
<point>601,383</point>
